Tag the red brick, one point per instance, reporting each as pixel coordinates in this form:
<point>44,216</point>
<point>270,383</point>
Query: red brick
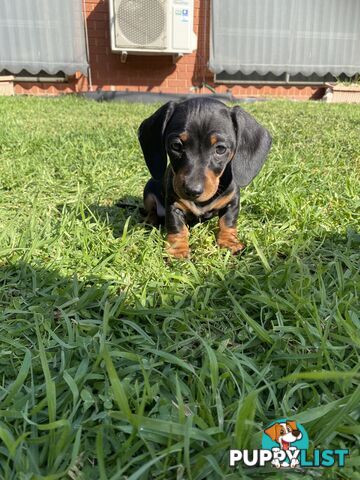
<point>100,25</point>
<point>183,76</point>
<point>101,51</point>
<point>101,42</point>
<point>95,33</point>
<point>163,89</point>
<point>99,16</point>
<point>152,73</point>
<point>176,83</point>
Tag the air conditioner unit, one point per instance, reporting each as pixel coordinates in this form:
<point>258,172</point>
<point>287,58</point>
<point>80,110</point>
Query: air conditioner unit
<point>152,26</point>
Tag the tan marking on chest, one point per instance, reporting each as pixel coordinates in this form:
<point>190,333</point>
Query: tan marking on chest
<point>222,201</point>
<point>198,210</point>
<point>187,206</point>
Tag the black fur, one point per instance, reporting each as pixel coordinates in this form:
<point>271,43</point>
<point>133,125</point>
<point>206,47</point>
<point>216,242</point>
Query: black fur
<point>195,159</point>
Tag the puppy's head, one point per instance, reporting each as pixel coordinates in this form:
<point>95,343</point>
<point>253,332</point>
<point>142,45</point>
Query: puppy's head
<point>284,433</point>
<point>203,138</point>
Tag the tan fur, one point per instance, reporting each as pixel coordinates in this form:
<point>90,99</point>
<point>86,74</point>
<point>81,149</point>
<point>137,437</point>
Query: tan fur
<point>227,238</point>
<point>177,181</point>
<point>221,201</point>
<point>188,206</point>
<point>184,136</point>
<point>179,244</point>
<point>198,210</point>
<point>213,139</point>
<point>211,184</point>
<point>150,207</point>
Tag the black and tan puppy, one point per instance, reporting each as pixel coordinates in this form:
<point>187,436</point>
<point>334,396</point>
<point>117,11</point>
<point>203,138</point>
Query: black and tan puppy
<point>214,151</point>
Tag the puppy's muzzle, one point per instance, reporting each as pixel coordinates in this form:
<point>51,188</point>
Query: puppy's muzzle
<point>193,190</point>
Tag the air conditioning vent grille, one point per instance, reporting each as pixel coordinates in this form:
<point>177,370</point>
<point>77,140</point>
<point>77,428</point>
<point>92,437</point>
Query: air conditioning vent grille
<point>142,22</point>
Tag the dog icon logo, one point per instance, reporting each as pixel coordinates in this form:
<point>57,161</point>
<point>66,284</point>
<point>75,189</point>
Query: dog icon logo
<point>285,444</point>
<point>285,438</point>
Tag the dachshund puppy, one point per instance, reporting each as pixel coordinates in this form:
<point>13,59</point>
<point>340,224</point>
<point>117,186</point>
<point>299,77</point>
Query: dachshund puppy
<point>213,150</point>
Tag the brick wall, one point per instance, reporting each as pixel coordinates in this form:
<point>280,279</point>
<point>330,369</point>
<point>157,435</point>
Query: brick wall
<point>153,73</point>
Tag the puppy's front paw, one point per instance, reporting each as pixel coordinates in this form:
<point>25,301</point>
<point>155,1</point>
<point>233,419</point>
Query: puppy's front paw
<point>227,238</point>
<point>178,244</point>
<point>276,463</point>
<point>178,251</point>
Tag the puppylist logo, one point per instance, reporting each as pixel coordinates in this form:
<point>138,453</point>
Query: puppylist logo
<point>284,445</point>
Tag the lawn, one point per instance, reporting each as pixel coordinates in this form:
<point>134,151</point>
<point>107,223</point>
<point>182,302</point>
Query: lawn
<point>117,363</point>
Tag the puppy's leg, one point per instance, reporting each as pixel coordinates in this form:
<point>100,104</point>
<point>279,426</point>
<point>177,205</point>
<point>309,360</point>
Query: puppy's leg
<point>153,203</point>
<point>227,234</point>
<point>177,232</point>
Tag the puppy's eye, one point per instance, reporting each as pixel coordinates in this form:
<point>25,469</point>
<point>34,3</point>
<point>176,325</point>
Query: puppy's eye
<point>220,149</point>
<point>176,145</point>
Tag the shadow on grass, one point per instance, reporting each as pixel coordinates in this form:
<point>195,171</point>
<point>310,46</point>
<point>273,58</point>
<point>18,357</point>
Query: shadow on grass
<point>117,215</point>
<point>257,325</point>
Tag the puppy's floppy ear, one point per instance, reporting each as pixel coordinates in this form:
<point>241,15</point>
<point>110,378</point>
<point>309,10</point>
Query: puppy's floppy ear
<point>273,432</point>
<point>150,135</point>
<point>292,425</point>
<point>253,143</point>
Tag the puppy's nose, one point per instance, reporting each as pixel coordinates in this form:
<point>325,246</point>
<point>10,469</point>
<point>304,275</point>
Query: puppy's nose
<point>194,191</point>
<point>296,433</point>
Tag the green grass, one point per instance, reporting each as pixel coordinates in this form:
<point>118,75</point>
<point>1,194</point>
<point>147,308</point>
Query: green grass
<point>119,364</point>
